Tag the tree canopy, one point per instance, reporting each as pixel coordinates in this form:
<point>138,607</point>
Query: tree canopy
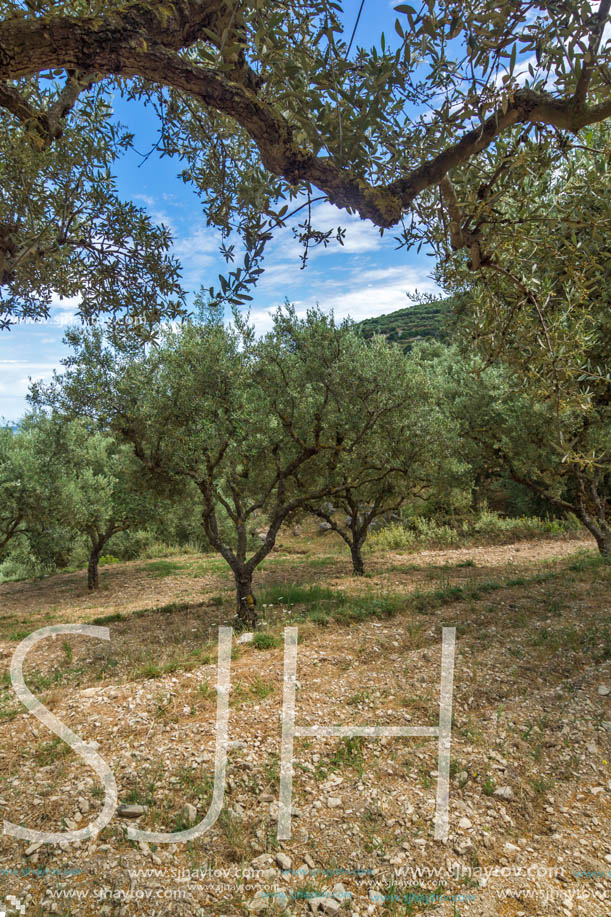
<point>542,315</point>
<point>263,103</point>
<point>263,429</point>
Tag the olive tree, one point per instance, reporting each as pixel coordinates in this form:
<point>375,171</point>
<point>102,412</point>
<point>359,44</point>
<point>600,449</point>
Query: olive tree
<point>32,481</point>
<point>562,457</point>
<point>265,104</point>
<point>260,427</point>
<point>60,480</point>
<point>542,313</point>
<point>102,488</point>
<point>411,450</point>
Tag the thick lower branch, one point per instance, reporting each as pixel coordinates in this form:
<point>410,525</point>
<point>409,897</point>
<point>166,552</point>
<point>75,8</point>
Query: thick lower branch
<point>142,40</point>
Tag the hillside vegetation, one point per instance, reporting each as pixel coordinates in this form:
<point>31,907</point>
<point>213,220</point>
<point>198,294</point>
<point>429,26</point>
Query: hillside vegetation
<point>420,322</point>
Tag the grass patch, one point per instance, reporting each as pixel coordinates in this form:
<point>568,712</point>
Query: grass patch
<point>264,641</point>
<point>261,688</point>
<point>586,561</point>
<point>109,619</point>
<point>362,608</point>
<point>47,753</point>
<point>163,568</point>
<point>18,635</point>
<point>152,669</point>
<point>299,595</point>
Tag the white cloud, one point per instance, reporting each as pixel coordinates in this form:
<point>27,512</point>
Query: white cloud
<point>63,311</point>
<point>157,213</point>
<point>15,376</point>
<point>361,236</point>
<point>378,296</point>
<point>197,253</point>
<point>376,291</point>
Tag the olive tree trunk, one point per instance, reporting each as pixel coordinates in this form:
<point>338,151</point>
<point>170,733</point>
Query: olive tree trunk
<point>92,568</point>
<point>246,602</point>
<point>600,529</point>
<point>356,547</point>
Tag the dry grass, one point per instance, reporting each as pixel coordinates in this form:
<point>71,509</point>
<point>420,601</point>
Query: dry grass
<point>534,643</point>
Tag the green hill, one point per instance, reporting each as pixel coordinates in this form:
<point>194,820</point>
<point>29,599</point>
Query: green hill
<point>424,321</point>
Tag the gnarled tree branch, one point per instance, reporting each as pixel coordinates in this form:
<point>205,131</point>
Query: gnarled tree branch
<point>144,40</point>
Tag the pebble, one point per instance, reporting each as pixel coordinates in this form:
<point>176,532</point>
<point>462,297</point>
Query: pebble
<point>503,792</point>
<point>334,802</point>
<point>603,690</point>
<point>131,811</point>
<point>283,860</point>
<point>339,892</point>
<point>32,849</point>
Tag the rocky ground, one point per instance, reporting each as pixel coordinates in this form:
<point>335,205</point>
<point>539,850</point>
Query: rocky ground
<point>530,744</point>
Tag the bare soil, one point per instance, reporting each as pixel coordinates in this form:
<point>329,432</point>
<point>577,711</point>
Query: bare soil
<point>530,713</point>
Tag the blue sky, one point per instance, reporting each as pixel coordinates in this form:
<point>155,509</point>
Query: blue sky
<point>365,277</point>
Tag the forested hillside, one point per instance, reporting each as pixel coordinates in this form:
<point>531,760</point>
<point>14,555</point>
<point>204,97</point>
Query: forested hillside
<point>415,323</point>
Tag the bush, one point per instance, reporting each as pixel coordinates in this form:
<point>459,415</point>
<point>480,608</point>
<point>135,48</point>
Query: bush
<point>393,537</point>
<point>21,564</point>
<point>421,532</point>
<point>263,641</point>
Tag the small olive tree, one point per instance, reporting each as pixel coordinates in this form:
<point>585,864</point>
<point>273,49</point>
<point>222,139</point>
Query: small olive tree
<point>411,448</point>
<point>102,489</point>
<point>61,480</point>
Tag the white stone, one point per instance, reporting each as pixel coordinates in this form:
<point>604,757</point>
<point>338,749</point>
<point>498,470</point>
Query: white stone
<point>189,813</point>
<point>32,849</point>
<point>259,903</point>
<point>339,892</point>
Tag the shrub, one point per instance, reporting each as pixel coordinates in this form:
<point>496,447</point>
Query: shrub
<point>424,532</point>
<point>393,537</point>
<point>263,641</point>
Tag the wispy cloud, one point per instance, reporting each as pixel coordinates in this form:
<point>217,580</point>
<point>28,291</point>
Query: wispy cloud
<point>198,253</point>
<point>375,291</point>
